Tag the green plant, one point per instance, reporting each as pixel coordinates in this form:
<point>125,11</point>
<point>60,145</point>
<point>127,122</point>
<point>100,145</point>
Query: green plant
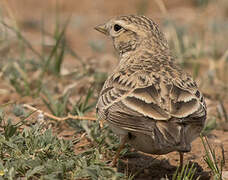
<point>211,160</point>
<point>83,106</point>
<point>20,76</point>
<point>211,125</point>
<point>186,173</point>
<point>58,107</point>
<point>201,3</point>
<point>186,45</point>
<point>36,153</point>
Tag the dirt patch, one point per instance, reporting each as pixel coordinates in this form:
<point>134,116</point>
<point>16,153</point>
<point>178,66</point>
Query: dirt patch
<point>97,54</point>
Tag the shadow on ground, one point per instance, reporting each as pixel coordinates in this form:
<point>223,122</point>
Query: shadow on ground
<point>144,167</point>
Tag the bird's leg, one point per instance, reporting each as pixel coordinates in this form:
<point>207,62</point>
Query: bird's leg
<point>123,141</point>
<point>181,160</point>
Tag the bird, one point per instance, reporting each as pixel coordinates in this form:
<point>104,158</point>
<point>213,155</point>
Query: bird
<point>148,100</point>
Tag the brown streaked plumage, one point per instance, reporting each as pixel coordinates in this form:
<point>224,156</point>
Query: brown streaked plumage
<point>147,100</point>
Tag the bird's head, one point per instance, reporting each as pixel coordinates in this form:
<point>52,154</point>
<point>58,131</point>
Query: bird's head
<point>130,32</point>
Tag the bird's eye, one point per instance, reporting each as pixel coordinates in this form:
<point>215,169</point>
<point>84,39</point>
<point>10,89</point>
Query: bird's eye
<point>117,27</point>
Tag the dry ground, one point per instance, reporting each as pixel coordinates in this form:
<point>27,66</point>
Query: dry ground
<point>96,52</point>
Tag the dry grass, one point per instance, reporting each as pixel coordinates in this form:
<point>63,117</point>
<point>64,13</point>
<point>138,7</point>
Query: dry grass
<point>58,66</point>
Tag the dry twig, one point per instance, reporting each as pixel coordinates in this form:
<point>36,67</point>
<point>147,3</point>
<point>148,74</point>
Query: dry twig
<point>69,116</point>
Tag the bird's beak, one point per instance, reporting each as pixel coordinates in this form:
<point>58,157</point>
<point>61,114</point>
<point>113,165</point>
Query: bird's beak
<point>102,28</point>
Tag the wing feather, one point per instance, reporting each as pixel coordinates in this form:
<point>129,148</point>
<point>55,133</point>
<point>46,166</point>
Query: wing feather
<point>132,106</point>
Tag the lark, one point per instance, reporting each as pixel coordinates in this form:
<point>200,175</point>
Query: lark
<point>148,100</point>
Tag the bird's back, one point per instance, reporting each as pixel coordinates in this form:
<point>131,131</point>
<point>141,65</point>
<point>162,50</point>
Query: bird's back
<point>149,97</point>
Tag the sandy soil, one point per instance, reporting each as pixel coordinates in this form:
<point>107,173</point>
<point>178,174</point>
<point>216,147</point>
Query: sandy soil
<point>84,16</point>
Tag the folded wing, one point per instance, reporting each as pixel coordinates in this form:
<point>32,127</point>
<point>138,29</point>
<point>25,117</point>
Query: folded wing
<point>131,106</point>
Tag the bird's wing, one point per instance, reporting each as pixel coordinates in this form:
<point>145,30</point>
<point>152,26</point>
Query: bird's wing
<point>131,102</point>
<point>187,102</point>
